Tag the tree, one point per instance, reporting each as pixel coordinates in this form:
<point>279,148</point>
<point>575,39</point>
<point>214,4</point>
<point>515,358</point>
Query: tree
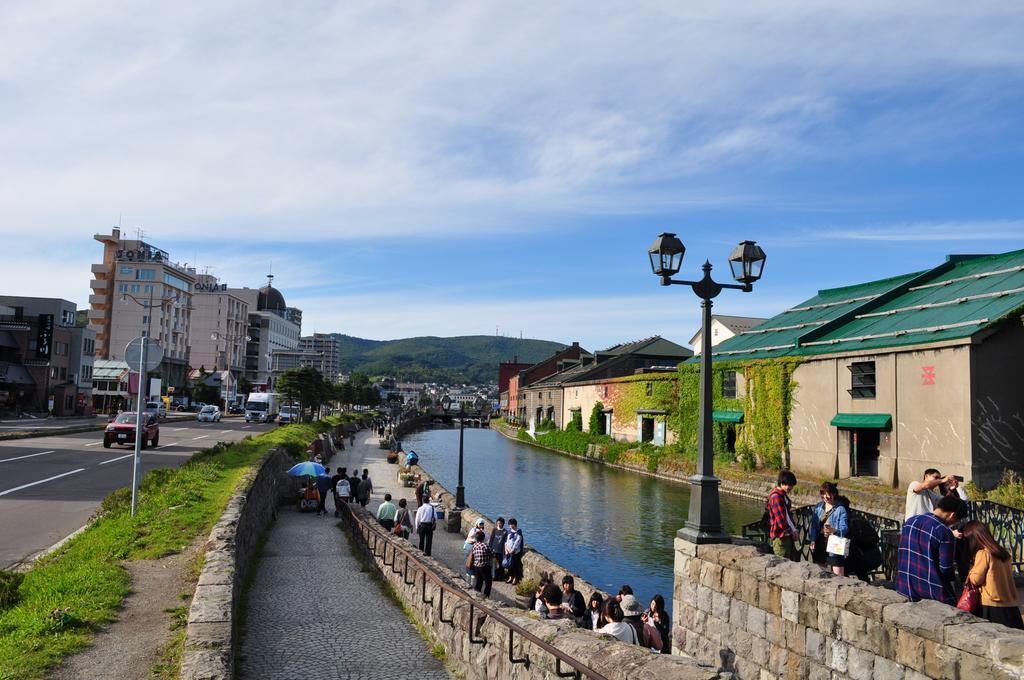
<point>243,386</point>
<point>306,386</point>
<point>596,424</point>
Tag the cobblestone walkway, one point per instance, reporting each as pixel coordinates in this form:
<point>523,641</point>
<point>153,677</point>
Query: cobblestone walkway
<point>313,614</point>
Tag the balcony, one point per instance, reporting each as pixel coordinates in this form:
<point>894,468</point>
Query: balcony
<point>98,284</point>
<point>97,314</point>
<point>100,269</point>
<point>101,299</point>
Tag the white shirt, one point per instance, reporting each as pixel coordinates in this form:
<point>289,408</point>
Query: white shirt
<point>425,513</point>
<point>342,488</point>
<point>622,631</point>
<point>920,503</point>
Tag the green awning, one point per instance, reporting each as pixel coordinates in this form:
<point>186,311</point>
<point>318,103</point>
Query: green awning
<point>866,421</point>
<point>727,416</point>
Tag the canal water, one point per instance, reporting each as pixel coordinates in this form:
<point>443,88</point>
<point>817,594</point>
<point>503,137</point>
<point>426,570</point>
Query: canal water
<point>610,526</point>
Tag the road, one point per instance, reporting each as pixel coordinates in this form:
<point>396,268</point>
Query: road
<point>50,486</point>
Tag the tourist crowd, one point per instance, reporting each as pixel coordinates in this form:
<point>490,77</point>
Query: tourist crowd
<point>942,554</point>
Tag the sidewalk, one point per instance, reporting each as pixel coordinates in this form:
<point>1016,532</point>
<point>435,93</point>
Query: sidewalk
<point>312,612</point>
<point>446,548</point>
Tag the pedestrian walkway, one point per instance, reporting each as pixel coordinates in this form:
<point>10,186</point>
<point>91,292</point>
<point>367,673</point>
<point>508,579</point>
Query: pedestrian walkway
<point>446,548</point>
<point>312,613</point>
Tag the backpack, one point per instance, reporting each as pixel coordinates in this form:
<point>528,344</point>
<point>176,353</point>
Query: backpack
<point>862,534</point>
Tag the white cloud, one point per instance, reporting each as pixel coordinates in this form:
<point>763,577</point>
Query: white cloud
<point>361,119</point>
<point>909,232</point>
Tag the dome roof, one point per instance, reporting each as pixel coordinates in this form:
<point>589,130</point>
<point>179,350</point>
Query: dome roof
<point>270,299</point>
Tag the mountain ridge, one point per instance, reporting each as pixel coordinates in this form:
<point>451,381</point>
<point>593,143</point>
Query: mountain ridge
<point>431,358</point>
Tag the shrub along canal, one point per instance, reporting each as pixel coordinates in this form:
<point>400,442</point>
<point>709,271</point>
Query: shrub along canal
<point>610,526</point>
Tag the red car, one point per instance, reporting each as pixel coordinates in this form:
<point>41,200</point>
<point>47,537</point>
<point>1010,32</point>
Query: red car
<point>121,430</point>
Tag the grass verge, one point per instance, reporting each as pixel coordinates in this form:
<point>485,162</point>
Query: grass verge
<point>69,595</point>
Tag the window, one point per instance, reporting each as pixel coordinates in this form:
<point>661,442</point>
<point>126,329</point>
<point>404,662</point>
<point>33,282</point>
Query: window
<point>650,389</point>
<point>862,380</point>
<point>136,288</point>
<point>145,275</point>
<point>127,271</point>
<point>67,402</point>
<point>122,288</point>
<point>67,318</point>
<point>729,385</point>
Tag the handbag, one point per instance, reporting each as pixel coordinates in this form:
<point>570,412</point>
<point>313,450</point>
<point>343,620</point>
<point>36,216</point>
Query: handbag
<point>837,546</point>
<point>506,562</point>
<point>469,560</point>
<point>970,599</point>
<point>397,531</point>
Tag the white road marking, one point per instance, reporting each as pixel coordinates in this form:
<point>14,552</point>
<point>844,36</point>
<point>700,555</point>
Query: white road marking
<point>164,446</point>
<point>202,436</point>
<point>245,427</point>
<point>31,455</point>
<point>114,460</point>
<point>41,481</point>
<point>94,444</point>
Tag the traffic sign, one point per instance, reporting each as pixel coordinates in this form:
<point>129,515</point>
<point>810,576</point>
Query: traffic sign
<point>133,353</point>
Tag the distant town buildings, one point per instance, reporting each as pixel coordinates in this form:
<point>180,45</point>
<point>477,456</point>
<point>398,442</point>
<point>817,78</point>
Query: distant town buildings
<point>220,320</point>
<point>271,328</point>
<point>724,327</point>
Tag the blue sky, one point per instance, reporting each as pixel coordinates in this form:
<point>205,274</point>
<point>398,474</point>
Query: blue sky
<point>447,169</point>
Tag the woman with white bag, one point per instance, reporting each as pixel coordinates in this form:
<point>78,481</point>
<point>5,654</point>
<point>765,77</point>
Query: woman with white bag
<point>830,525</point>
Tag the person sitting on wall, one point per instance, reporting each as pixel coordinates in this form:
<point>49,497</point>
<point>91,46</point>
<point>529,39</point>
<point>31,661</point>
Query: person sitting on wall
<point>926,567</point>
<point>782,530</point>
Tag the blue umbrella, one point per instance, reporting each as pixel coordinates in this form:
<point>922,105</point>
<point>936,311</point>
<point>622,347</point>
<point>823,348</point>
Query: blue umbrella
<point>307,469</point>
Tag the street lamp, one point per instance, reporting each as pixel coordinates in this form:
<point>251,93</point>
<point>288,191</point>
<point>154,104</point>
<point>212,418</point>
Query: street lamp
<point>704,521</point>
<point>460,490</point>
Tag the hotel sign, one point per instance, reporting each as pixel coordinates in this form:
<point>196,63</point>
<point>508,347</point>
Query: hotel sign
<point>140,255</point>
<point>210,287</point>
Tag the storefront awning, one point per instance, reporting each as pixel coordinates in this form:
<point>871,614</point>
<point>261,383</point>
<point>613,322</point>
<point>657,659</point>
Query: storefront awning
<point>14,374</point>
<point>865,421</point>
<point>727,416</point>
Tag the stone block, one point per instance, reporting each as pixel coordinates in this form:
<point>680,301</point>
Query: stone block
<point>778,660</point>
<point>720,606</point>
<point>214,635</point>
<point>972,637</point>
<point>885,669</point>
<point>704,598</point>
<point>808,613</point>
<point>211,604</point>
<point>860,664</point>
<point>837,655</point>
<point>774,631</point>
<point>879,638</point>
<point>735,555</point>
<point>764,674</point>
<point>760,651</point>
<point>730,581</point>
<point>926,619</point>
<point>814,645</point>
<point>910,650</point>
<point>792,575</point>
<point>756,565</point>
<point>818,672</point>
<point>711,576</point>
<point>747,669</point>
<point>866,600</point>
<point>756,620</point>
<point>742,642</point>
<point>737,612</point>
<point>1008,648</point>
<point>828,619</point>
<point>796,667</point>
<point>769,598</point>
<point>749,589</point>
<point>795,637</point>
<point>789,601</point>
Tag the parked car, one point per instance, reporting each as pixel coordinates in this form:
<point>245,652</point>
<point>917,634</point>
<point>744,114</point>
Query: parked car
<point>156,408</point>
<point>121,430</point>
<point>209,414</point>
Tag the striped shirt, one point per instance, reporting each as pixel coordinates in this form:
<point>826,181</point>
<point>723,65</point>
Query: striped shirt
<point>926,560</point>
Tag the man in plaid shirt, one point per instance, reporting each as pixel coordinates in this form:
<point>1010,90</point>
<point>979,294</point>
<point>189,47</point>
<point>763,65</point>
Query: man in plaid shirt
<point>482,564</point>
<point>781,528</point>
<point>927,553</point>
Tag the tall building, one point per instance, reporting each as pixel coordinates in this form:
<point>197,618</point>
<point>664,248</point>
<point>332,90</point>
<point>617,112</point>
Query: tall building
<point>329,346</point>
<point>220,322</point>
<point>270,329</point>
<point>46,361</point>
<point>131,274</point>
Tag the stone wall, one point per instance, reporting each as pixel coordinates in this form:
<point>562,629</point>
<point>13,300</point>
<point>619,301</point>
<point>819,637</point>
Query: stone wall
<point>765,617</point>
<point>487,656</point>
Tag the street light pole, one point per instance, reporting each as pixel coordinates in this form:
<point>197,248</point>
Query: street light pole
<point>460,490</point>
<point>704,520</point>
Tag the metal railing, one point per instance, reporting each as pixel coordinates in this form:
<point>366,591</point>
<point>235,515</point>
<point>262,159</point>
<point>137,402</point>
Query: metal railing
<point>376,544</point>
<point>1006,524</point>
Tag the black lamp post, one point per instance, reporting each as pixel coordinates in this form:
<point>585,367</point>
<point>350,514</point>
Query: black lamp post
<point>704,522</point>
<point>460,490</point>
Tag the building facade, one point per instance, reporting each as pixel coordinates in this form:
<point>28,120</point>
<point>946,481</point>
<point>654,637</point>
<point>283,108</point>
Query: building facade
<point>271,328</point>
<point>46,361</point>
<point>138,291</point>
<point>724,327</point>
<point>896,376</point>
<point>220,321</point>
<point>327,346</point>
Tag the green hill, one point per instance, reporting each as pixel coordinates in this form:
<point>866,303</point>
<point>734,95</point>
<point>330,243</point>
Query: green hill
<point>464,359</point>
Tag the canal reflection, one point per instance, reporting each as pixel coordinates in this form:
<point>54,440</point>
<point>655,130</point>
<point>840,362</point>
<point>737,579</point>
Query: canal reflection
<point>609,526</point>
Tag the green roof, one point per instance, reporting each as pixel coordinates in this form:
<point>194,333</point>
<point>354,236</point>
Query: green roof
<point>952,301</point>
<point>854,421</point>
<point>727,416</point>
